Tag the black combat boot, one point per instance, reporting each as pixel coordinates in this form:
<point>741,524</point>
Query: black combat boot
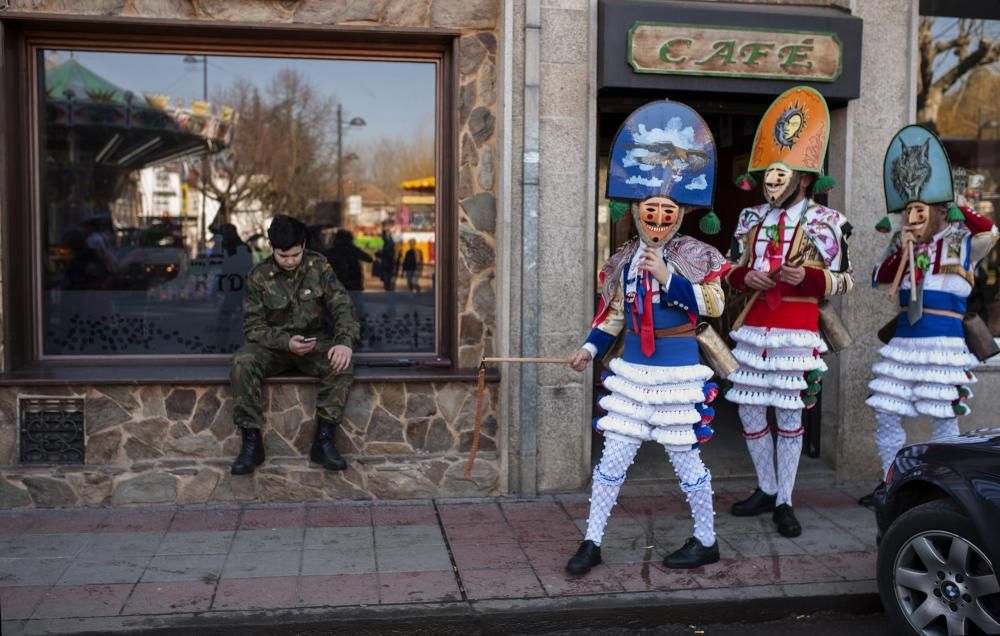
<point>323,452</point>
<point>587,556</point>
<point>693,554</point>
<point>251,452</point>
<point>755,504</point>
<point>788,525</point>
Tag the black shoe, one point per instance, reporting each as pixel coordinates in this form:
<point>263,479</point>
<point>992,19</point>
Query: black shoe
<point>757,503</point>
<point>788,525</point>
<point>868,501</point>
<point>692,555</point>
<point>587,556</point>
<point>323,452</point>
<point>251,452</point>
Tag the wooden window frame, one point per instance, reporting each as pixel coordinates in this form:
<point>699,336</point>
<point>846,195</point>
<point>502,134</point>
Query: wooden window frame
<point>22,35</point>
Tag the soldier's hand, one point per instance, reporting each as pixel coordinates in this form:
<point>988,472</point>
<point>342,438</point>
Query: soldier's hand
<point>298,346</point>
<point>758,280</point>
<point>579,360</point>
<point>339,357</point>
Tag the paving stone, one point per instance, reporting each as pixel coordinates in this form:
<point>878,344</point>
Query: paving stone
<point>550,554</point>
<point>760,544</point>
<point>721,574</point>
<point>424,558</point>
<point>15,522</point>
<point>823,499</point>
<point>401,536</point>
<point>257,593</point>
<point>124,543</point>
<point>347,538</point>
<point>544,530</point>
<point>59,521</point>
<point>137,521</point>
<point>651,576</point>
<point>268,540</point>
<point>335,516</point>
<point>473,556</point>
<point>80,601</point>
<point>262,518</point>
<point>480,533</point>
<point>261,564</point>
<point>197,520</point>
<point>326,562</point>
<point>850,566</point>
<point>170,597</point>
<point>515,582</point>
<point>20,602</point>
<point>109,568</point>
<point>417,587</point>
<point>403,515</point>
<point>339,590</point>
<point>187,567</point>
<point>558,582</point>
<point>815,542</point>
<point>46,545</point>
<point>652,506</point>
<point>32,571</point>
<point>455,514</point>
<point>212,542</point>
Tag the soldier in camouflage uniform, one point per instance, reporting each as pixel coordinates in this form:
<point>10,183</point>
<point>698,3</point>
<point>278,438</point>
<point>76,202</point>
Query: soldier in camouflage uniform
<point>290,299</point>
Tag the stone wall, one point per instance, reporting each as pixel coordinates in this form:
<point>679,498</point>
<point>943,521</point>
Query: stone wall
<point>167,444</point>
<point>174,443</point>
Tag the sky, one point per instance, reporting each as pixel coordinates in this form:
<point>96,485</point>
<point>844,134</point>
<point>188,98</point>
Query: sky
<point>393,98</point>
<point>946,29</point>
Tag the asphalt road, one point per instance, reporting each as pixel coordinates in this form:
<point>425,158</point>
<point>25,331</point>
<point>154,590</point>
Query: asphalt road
<point>822,624</point>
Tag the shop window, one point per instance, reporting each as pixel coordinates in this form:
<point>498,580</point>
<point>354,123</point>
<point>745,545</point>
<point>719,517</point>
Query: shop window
<point>958,96</point>
<point>158,172</point>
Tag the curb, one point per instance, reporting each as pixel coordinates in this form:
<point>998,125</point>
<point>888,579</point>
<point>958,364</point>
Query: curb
<point>633,610</point>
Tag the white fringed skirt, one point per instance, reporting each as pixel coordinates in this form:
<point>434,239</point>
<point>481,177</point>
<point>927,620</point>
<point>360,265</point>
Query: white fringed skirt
<point>773,365</point>
<point>922,376</point>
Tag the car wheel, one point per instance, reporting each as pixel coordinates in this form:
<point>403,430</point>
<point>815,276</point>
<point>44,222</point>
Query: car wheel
<point>933,576</point>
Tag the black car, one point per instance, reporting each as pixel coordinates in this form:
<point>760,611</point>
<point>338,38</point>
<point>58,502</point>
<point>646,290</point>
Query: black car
<point>939,536</point>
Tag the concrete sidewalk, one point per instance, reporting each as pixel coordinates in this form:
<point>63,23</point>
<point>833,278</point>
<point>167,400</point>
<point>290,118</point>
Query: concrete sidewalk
<point>432,564</point>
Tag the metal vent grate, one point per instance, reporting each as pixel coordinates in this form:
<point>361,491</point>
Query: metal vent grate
<point>51,430</point>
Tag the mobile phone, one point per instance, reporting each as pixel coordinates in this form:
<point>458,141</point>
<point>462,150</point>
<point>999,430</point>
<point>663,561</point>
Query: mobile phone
<point>309,339</point>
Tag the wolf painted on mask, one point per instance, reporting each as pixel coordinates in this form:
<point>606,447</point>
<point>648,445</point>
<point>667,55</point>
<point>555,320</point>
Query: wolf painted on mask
<point>911,170</point>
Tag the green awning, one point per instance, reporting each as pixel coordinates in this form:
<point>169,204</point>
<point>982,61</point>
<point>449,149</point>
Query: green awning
<point>84,83</point>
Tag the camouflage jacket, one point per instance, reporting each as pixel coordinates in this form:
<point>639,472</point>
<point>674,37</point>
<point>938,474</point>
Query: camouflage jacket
<point>280,304</point>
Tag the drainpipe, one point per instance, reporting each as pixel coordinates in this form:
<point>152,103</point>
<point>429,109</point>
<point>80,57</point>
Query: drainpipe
<point>529,251</point>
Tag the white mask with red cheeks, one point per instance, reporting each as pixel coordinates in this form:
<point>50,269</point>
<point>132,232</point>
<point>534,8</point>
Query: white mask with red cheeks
<point>657,219</point>
<point>781,184</point>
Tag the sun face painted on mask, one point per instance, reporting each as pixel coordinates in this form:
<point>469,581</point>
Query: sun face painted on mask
<point>657,219</point>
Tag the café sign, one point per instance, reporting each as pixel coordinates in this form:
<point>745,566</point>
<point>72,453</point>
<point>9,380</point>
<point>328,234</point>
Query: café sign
<point>722,51</point>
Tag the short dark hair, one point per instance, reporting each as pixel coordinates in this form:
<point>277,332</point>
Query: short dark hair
<point>286,232</point>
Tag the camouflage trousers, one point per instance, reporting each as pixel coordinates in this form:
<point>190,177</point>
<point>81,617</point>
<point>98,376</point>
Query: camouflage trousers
<point>253,363</point>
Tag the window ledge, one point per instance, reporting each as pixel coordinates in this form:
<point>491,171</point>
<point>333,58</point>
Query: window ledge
<point>217,374</point>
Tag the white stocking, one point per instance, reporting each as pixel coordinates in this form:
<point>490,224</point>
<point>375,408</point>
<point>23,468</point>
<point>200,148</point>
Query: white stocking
<point>789,451</point>
<point>758,436</point>
<point>696,482</point>
<point>945,428</point>
<point>889,437</point>
<point>608,478</point>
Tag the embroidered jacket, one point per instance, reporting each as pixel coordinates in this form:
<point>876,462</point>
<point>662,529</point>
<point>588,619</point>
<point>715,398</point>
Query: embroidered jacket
<point>693,289</point>
<point>945,271</point>
<point>820,234</point>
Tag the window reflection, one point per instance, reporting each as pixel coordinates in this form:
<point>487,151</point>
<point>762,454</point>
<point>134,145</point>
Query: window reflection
<point>958,96</point>
<point>161,173</point>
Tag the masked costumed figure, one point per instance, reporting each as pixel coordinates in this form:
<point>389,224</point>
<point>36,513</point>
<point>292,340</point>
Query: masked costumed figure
<point>662,165</point>
<point>924,369</point>
<point>791,252</point>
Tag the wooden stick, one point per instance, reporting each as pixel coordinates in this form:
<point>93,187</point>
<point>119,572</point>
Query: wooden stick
<point>556,360</point>
<point>913,273</point>
<point>908,249</point>
<point>480,391</point>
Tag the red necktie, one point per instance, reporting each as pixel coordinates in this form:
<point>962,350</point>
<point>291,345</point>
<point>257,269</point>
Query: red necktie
<point>646,340</point>
<point>775,256</point>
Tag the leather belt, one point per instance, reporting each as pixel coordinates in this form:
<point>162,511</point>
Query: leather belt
<point>799,299</point>
<point>939,312</point>
<point>680,331</point>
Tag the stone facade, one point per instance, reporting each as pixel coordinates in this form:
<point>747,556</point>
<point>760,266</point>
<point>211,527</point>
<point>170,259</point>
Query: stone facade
<point>167,444</point>
<point>156,444</point>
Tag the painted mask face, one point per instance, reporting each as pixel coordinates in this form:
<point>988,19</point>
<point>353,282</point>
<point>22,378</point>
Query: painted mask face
<point>657,219</point>
<point>780,184</point>
<point>924,220</point>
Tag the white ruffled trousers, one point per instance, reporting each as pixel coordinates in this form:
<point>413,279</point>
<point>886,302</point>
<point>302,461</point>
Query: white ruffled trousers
<point>774,364</point>
<point>919,376</point>
<point>660,404</point>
